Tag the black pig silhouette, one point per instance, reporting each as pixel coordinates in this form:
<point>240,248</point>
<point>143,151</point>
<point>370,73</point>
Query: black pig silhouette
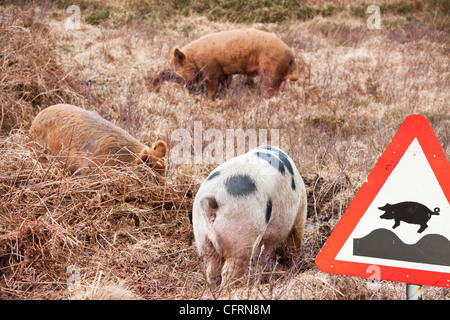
<point>409,212</point>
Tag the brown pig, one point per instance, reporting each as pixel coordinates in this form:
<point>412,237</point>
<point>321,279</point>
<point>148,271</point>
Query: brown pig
<point>216,57</point>
<point>83,138</point>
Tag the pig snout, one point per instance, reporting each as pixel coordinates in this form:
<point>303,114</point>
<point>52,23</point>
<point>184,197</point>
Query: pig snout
<point>388,212</point>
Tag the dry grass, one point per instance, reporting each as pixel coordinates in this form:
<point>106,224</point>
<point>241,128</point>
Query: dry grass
<point>130,236</point>
<point>33,74</point>
<point>114,218</point>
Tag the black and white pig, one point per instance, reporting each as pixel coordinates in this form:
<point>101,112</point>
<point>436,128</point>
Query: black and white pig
<point>247,207</point>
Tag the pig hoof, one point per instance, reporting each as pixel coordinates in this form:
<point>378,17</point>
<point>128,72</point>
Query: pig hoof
<point>422,228</point>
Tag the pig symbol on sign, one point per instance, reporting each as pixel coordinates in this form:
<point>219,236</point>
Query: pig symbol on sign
<point>409,212</point>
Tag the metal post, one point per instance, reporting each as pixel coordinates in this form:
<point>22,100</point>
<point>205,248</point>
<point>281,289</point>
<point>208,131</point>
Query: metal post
<point>413,292</point>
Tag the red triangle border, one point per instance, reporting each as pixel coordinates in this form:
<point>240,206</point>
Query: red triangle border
<point>414,126</point>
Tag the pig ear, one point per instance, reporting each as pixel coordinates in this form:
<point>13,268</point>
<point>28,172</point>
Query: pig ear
<point>159,149</point>
<point>149,156</point>
<point>178,57</point>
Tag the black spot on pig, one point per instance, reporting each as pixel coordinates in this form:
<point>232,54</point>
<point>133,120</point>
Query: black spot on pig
<point>213,175</point>
<point>268,210</point>
<point>240,185</point>
<point>409,212</point>
<point>283,157</point>
<point>275,161</point>
<point>272,160</point>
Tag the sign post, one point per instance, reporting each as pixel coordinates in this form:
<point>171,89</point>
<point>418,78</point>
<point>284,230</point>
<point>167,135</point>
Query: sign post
<point>398,224</point>
<point>413,292</point>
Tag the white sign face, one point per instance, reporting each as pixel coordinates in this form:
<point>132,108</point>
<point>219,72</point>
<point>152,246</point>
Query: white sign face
<point>407,224</point>
<point>397,228</point>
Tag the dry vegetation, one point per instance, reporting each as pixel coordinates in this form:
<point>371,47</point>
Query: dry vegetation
<point>128,234</point>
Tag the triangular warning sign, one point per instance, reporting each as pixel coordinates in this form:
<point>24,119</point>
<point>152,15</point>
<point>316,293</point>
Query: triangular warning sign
<point>398,224</point>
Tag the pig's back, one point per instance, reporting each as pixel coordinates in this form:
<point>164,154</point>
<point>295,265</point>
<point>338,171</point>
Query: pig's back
<point>241,40</point>
<point>263,177</point>
<point>82,129</point>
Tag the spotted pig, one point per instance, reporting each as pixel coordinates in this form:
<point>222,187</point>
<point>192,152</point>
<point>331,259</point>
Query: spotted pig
<point>246,207</point>
<point>83,139</point>
<point>214,58</point>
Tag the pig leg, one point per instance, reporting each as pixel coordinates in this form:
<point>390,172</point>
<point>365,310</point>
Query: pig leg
<point>422,227</point>
<point>213,262</point>
<point>295,238</point>
<point>266,261</point>
<point>213,267</point>
<point>396,224</point>
<point>212,86</point>
<point>234,267</point>
<point>225,80</point>
<point>274,75</point>
<point>274,86</point>
<point>271,81</point>
<point>224,83</point>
